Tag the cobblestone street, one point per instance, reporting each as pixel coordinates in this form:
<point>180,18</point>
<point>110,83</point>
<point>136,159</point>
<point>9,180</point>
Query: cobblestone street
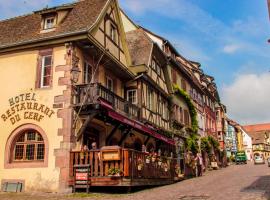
<point>233,183</point>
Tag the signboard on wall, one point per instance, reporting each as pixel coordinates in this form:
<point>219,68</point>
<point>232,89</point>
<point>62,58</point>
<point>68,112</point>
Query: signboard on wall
<point>25,106</point>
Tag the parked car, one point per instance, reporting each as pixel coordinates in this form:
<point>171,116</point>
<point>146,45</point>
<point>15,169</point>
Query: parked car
<point>240,157</point>
<point>259,160</point>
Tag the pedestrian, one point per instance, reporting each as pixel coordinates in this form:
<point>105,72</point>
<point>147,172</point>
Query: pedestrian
<point>199,162</point>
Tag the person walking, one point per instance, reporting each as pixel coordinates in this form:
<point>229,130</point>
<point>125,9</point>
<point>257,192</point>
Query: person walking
<point>199,164</point>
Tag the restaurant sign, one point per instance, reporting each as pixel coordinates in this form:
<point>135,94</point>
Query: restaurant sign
<point>25,106</point>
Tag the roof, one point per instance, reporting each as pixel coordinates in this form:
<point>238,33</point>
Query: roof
<point>140,47</point>
<point>26,29</point>
<point>257,132</point>
<point>257,127</point>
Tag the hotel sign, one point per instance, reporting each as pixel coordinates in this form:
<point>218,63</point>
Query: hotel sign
<point>25,106</point>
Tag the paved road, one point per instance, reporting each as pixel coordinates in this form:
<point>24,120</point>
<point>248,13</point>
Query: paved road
<point>237,182</point>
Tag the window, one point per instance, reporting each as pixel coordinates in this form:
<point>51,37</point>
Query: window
<point>132,96</point>
<point>29,146</point>
<point>46,71</point>
<point>174,76</point>
<point>183,84</point>
<point>154,65</point>
<point>109,83</point>
<point>87,73</point>
<point>49,22</point>
<point>113,33</point>
<point>150,99</point>
<point>186,117</point>
<point>158,69</point>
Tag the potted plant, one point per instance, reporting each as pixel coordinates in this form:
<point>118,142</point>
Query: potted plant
<point>159,161</point>
<point>154,157</point>
<point>148,158</point>
<point>165,166</point>
<point>139,164</point>
<point>114,172</point>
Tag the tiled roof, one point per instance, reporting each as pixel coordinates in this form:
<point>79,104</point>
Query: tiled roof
<point>257,127</point>
<point>140,46</point>
<point>257,132</point>
<point>27,28</point>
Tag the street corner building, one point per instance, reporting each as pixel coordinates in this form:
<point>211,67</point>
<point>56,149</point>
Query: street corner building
<point>89,98</point>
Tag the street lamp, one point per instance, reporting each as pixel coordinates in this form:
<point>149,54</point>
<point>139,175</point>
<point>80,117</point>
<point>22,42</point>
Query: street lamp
<point>75,73</point>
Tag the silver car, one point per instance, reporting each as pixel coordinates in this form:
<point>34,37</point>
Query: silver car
<point>259,160</point>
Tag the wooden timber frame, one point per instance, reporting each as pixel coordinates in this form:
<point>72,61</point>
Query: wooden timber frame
<point>135,170</point>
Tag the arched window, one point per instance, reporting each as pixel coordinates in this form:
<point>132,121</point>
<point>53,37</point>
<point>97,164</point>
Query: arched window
<point>28,146</point>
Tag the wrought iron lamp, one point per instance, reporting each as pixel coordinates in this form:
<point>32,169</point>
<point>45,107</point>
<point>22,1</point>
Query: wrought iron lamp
<point>75,73</point>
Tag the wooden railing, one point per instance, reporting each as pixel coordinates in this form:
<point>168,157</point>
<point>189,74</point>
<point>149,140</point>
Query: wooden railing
<point>133,164</point>
<point>91,94</point>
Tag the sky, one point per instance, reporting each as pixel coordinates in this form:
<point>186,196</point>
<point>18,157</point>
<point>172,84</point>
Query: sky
<point>229,39</point>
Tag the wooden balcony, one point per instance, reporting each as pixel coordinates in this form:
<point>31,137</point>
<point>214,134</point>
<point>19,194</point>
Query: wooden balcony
<point>95,93</point>
<point>134,167</point>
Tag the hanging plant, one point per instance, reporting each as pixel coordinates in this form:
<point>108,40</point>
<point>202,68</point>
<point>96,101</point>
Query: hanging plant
<point>205,145</point>
<point>192,110</point>
<point>192,143</point>
<point>213,142</point>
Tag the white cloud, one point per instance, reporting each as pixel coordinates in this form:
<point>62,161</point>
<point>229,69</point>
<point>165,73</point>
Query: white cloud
<point>231,48</point>
<point>248,98</point>
<point>239,35</point>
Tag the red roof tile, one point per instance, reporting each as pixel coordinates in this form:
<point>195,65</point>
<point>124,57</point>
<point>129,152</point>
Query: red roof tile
<point>25,29</point>
<point>257,127</point>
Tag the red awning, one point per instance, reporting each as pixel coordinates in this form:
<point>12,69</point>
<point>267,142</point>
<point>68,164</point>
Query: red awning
<point>139,126</point>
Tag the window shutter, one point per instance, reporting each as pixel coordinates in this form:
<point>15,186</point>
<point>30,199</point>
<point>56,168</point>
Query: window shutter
<point>38,72</point>
<point>51,77</point>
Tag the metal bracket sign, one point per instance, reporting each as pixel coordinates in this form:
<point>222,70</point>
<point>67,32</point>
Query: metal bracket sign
<point>82,177</point>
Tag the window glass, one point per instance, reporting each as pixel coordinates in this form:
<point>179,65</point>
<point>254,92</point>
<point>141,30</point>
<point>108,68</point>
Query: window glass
<point>49,23</point>
<point>46,70</point>
<point>113,33</point>
<point>29,146</point>
<point>109,83</point>
<point>87,73</point>
<point>132,96</point>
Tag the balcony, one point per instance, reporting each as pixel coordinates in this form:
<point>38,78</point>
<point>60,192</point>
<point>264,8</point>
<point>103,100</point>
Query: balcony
<point>95,93</point>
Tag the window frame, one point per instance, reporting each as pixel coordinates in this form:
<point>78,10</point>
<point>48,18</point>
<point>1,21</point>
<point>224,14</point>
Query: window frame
<point>135,97</point>
<point>43,71</point>
<point>113,32</point>
<point>25,143</point>
<point>9,147</point>
<point>107,83</point>
<point>86,72</point>
<point>46,27</point>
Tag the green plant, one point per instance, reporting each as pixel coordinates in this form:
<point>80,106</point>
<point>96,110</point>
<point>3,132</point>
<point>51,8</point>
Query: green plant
<point>114,171</point>
<point>177,125</point>
<point>192,143</point>
<point>213,142</point>
<point>192,110</point>
<point>205,145</point>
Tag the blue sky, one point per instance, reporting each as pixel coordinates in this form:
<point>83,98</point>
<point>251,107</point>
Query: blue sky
<point>229,38</point>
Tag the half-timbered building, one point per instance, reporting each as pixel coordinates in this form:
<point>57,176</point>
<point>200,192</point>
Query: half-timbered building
<point>80,109</point>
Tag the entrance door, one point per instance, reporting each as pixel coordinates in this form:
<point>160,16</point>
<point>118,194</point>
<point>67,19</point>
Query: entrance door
<point>91,135</point>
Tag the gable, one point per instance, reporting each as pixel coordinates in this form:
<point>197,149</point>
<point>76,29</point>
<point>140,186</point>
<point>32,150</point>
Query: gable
<point>110,33</point>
